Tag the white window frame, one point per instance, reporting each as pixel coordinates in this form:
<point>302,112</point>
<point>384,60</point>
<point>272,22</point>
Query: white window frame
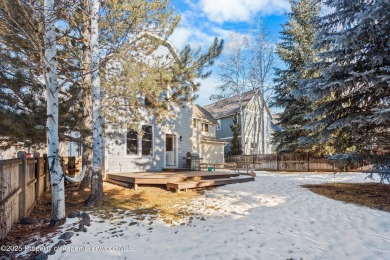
<point>219,124</point>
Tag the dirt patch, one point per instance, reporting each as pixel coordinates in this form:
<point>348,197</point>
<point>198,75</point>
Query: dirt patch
<point>372,195</point>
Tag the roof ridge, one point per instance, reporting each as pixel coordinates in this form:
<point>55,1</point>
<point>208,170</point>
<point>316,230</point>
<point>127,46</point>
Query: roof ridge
<point>205,114</point>
<point>225,99</point>
<point>229,106</point>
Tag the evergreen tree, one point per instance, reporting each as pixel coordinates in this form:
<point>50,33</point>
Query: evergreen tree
<point>22,91</point>
<point>296,50</point>
<point>352,91</point>
<point>236,130</point>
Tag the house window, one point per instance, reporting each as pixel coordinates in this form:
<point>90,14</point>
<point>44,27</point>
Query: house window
<point>147,140</point>
<point>132,142</point>
<point>144,138</point>
<point>205,128</point>
<point>219,124</point>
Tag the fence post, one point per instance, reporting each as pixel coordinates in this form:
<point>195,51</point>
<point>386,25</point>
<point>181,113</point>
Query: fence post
<point>22,184</point>
<point>3,214</point>
<point>277,161</point>
<point>37,176</point>
<point>308,162</point>
<point>47,177</point>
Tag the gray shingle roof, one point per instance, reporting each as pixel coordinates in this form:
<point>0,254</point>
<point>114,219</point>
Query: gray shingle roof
<point>201,113</point>
<point>229,106</point>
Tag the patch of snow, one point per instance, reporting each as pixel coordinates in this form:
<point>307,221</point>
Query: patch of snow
<point>270,218</point>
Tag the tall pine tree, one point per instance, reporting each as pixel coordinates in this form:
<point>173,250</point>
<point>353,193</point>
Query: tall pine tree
<point>352,90</point>
<point>296,50</point>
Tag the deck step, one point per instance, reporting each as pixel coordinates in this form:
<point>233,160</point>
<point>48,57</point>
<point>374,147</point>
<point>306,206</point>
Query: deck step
<point>177,186</point>
<point>213,176</point>
<point>120,183</point>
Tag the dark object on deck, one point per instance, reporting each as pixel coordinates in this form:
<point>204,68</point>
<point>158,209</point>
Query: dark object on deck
<point>193,161</point>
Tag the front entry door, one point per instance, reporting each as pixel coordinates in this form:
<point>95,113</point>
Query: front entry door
<point>170,150</point>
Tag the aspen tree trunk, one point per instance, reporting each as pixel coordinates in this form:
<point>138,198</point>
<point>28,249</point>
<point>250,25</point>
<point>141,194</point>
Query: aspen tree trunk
<point>97,176</point>
<point>52,89</point>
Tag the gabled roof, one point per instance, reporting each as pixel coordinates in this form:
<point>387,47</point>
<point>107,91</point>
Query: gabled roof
<point>229,106</point>
<point>201,113</point>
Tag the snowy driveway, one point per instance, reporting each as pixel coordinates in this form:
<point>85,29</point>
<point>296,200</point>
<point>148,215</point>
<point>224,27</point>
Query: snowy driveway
<point>271,218</point>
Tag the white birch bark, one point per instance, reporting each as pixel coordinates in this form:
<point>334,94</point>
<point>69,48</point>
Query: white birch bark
<point>97,178</point>
<point>52,89</point>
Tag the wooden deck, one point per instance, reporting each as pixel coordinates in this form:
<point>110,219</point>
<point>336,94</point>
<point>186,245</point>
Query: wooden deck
<point>176,180</point>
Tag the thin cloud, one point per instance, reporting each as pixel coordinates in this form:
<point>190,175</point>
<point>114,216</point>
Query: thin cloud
<point>241,10</point>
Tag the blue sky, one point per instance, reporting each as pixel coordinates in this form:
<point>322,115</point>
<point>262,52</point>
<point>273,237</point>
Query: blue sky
<point>203,20</point>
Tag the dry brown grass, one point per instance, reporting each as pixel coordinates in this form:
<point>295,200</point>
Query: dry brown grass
<point>145,200</point>
<point>372,195</point>
<point>148,200</point>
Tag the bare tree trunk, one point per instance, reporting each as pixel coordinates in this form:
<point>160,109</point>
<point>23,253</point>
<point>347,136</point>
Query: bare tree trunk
<point>52,89</point>
<point>262,125</point>
<point>97,176</point>
<point>258,122</point>
<point>87,99</point>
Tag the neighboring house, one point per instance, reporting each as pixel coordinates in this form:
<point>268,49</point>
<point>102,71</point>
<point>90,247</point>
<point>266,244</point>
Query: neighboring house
<point>204,125</point>
<point>250,122</point>
<point>151,145</point>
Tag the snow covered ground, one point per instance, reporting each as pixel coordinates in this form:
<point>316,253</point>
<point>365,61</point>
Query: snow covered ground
<point>270,218</point>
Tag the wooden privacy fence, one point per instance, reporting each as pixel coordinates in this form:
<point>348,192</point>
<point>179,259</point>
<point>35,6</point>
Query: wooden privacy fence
<point>22,182</point>
<point>295,162</point>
